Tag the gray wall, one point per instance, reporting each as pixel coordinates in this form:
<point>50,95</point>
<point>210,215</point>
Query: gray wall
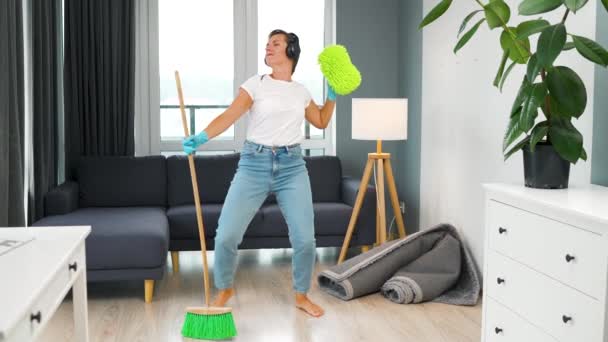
<point>410,75</point>
<point>599,164</point>
<point>383,41</point>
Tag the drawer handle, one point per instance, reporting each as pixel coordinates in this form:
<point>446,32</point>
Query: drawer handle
<point>500,281</point>
<point>501,230</point>
<point>36,317</point>
<point>497,330</point>
<point>566,319</point>
<point>569,257</point>
<point>73,266</point>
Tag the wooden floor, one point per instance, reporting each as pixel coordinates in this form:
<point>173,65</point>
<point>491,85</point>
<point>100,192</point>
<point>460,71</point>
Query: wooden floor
<point>263,308</point>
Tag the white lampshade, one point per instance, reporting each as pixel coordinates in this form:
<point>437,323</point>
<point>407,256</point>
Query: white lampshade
<point>379,119</point>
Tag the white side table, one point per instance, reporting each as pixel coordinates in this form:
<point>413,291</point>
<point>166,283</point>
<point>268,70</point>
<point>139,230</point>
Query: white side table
<point>38,266</point>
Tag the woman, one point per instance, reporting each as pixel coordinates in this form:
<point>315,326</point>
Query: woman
<point>271,162</point>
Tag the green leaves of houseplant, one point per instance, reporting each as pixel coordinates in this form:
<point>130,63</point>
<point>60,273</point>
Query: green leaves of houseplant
<point>497,13</point>
<point>557,90</point>
<point>531,7</point>
<point>574,5</point>
<point>550,44</point>
<point>566,139</point>
<point>435,13</point>
<point>530,27</point>
<point>591,50</point>
<point>567,91</point>
<point>467,36</point>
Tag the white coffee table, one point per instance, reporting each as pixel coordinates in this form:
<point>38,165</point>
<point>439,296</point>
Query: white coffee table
<point>38,266</point>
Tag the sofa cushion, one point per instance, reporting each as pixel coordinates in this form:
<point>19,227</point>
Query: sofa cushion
<point>182,220</point>
<point>121,238</point>
<point>331,218</point>
<point>325,173</point>
<point>214,174</point>
<point>122,181</point>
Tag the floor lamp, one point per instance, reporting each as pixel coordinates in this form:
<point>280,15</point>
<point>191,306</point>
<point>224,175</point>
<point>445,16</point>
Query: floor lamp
<point>377,119</point>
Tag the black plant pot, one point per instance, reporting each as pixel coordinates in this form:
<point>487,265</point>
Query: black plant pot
<point>544,168</point>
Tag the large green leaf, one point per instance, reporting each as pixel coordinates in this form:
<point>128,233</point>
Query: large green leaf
<point>568,46</point>
<point>506,74</point>
<point>531,7</point>
<point>435,13</point>
<point>513,132</point>
<point>574,5</point>
<point>501,68</point>
<point>467,36</point>
<point>530,27</point>
<point>566,139</point>
<point>518,49</point>
<point>557,109</point>
<point>605,3</point>
<point>567,89</point>
<point>497,13</point>
<point>521,96</point>
<point>533,68</point>
<point>538,133</point>
<point>591,50</point>
<point>550,44</point>
<point>517,147</point>
<point>466,21</point>
<point>529,110</point>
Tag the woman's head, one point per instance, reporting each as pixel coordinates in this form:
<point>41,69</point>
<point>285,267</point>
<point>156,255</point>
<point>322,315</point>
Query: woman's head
<point>282,47</point>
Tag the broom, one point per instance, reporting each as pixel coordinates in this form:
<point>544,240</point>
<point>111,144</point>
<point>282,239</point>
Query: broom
<point>209,323</point>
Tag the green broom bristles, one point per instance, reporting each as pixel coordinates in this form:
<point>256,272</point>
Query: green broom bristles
<point>209,327</point>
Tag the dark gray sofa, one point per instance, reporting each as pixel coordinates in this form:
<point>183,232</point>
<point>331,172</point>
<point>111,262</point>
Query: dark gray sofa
<point>141,207</point>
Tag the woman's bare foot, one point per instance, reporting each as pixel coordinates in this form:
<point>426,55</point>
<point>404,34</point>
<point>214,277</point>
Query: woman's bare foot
<point>222,297</point>
<point>303,303</point>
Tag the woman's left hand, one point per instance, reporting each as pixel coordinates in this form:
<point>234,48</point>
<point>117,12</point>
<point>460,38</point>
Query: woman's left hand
<point>331,94</point>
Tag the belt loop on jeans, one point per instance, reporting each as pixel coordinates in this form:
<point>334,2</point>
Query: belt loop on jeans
<point>259,148</point>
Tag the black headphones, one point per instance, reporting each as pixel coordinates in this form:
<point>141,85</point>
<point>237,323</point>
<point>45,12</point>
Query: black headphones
<point>293,46</point>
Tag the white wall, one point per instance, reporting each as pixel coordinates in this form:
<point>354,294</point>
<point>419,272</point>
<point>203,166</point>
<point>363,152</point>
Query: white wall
<point>464,117</point>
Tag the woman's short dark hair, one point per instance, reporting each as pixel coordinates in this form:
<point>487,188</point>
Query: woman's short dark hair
<point>293,46</point>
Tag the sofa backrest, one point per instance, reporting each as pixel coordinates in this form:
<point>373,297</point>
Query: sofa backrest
<point>215,173</point>
<point>122,181</point>
<point>325,174</point>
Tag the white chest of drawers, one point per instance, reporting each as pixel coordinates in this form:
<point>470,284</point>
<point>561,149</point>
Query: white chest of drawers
<point>545,264</point>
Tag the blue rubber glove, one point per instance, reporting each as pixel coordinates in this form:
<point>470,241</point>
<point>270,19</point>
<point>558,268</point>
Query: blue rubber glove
<point>331,94</point>
<point>192,142</point>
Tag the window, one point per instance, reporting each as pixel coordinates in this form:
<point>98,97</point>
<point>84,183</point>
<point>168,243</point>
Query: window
<point>195,38</point>
<point>217,45</point>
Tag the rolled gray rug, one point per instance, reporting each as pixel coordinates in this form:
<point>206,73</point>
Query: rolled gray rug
<point>428,276</point>
<point>432,264</point>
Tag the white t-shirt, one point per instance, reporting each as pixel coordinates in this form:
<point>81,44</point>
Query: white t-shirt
<point>277,113</point>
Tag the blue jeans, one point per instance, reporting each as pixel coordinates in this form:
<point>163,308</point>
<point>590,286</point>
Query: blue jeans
<point>263,170</point>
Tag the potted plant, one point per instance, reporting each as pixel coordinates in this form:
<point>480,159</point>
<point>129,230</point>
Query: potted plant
<point>551,144</point>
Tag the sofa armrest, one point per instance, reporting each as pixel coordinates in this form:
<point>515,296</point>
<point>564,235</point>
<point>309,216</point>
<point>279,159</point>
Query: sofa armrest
<point>61,199</point>
<point>365,228</point>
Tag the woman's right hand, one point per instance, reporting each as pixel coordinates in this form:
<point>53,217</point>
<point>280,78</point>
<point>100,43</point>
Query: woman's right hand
<point>191,143</point>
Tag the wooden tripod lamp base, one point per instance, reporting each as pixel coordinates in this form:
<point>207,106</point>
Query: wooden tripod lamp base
<point>383,165</point>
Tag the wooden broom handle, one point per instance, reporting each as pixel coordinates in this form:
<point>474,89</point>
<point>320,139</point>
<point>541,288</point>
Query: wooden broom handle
<point>197,201</point>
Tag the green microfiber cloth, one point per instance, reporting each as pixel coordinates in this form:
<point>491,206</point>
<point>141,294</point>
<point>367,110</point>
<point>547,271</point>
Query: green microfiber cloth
<point>341,74</point>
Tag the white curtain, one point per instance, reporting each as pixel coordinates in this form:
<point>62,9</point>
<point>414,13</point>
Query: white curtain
<point>147,80</point>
